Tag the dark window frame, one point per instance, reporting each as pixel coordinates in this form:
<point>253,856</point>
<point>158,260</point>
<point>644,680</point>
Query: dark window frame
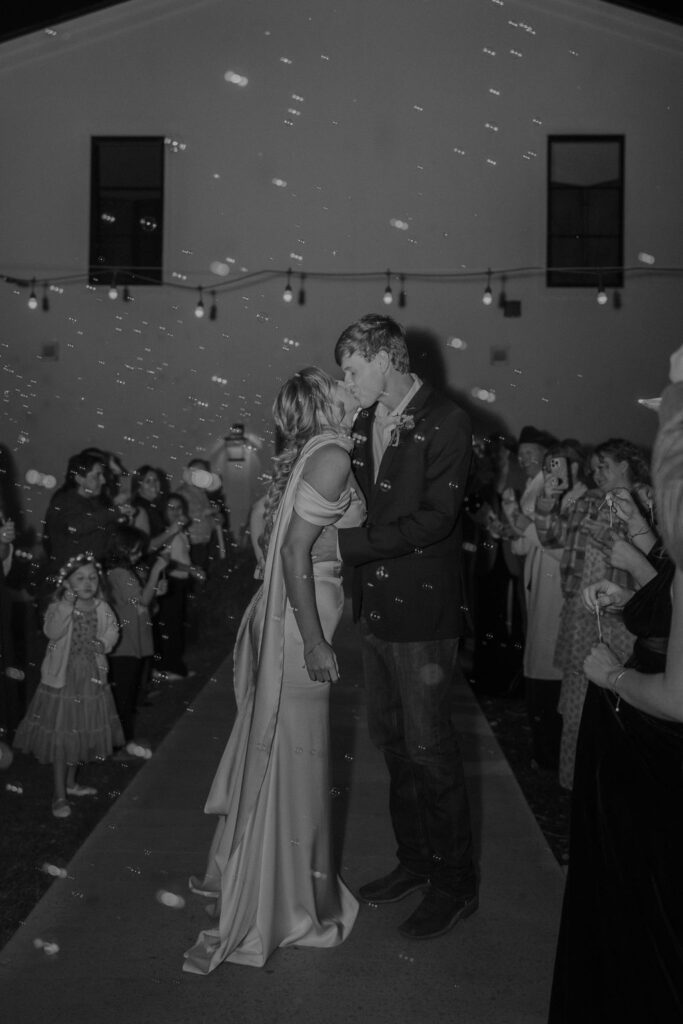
<point>136,269</point>
<point>558,276</point>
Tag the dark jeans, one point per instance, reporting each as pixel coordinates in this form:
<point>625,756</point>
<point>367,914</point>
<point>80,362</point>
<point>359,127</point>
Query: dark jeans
<point>409,696</point>
<point>169,628</point>
<point>124,678</point>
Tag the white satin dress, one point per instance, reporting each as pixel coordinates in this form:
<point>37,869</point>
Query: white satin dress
<point>270,867</point>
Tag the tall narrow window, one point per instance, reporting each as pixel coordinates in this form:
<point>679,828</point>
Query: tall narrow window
<point>126,210</point>
<point>585,211</point>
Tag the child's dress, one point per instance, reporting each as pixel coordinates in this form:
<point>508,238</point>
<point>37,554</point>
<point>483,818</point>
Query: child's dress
<point>77,719</point>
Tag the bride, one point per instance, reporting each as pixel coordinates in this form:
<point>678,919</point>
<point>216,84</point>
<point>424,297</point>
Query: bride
<point>270,868</point>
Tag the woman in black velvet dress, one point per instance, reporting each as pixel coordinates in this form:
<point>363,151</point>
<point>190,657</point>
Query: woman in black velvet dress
<point>620,947</point>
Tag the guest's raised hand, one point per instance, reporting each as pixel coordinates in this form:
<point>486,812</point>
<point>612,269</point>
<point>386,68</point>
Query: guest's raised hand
<point>321,663</point>
<point>600,663</point>
<point>623,504</point>
<point>605,595</point>
<point>551,485</point>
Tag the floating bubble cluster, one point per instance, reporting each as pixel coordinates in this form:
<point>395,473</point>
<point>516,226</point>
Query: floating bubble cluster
<point>49,948</point>
<point>37,479</point>
<point>236,79</point>
<point>483,394</point>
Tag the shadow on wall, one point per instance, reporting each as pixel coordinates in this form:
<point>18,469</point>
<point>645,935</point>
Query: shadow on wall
<point>426,360</point>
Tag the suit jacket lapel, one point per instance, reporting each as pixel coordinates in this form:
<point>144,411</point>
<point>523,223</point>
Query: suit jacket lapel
<point>416,409</point>
<point>362,460</point>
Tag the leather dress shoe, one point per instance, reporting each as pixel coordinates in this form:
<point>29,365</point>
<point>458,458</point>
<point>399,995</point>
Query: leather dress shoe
<point>392,887</point>
<point>437,914</point>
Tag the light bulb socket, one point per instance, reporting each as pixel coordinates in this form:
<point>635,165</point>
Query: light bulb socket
<point>487,297</point>
<point>287,294</point>
<point>388,296</point>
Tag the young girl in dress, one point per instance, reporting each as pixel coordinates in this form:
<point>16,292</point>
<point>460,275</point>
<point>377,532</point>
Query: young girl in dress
<point>72,717</point>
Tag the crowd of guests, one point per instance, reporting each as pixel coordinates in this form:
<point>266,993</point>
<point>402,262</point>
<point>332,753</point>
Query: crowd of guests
<point>123,564</point>
<point>553,518</point>
<point>599,590</point>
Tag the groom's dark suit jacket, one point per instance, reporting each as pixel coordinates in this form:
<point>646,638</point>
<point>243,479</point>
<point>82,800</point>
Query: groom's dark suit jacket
<point>406,558</point>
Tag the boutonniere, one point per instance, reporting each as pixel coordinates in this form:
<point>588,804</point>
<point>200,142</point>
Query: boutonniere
<point>402,426</point>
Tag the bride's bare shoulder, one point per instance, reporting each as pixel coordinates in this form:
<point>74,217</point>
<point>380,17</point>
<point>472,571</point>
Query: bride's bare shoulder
<point>327,470</point>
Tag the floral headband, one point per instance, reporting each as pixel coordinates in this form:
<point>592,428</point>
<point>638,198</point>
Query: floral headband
<point>85,558</point>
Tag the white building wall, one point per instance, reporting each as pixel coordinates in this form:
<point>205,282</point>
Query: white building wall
<point>387,95</point>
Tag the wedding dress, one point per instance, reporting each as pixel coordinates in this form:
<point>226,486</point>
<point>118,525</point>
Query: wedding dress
<point>270,865</point>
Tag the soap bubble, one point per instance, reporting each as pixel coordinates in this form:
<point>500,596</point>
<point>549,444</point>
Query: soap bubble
<point>457,343</point>
<point>431,674</point>
<point>53,870</point>
<point>203,479</point>
<point>139,750</point>
<point>170,899</point>
<point>219,269</point>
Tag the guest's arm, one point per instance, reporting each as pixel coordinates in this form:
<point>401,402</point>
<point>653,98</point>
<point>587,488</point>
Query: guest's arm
<point>624,555</point>
<point>658,695</point>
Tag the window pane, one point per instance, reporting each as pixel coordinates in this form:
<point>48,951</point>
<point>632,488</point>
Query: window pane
<point>585,210</point>
<point>126,210</point>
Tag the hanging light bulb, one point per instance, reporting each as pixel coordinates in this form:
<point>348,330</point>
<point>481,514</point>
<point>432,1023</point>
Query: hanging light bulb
<point>213,311</point>
<point>402,293</point>
<point>601,297</point>
<point>388,296</point>
<point>287,293</point>
<point>32,300</point>
<point>199,308</point>
<point>487,297</point>
<point>301,298</point>
<point>46,301</point>
<point>113,292</point>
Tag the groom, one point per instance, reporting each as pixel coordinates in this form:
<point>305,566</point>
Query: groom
<point>411,459</point>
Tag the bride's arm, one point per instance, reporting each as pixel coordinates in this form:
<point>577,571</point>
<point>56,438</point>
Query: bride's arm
<point>327,472</point>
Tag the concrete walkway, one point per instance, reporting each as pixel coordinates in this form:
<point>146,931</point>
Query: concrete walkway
<point>120,949</point>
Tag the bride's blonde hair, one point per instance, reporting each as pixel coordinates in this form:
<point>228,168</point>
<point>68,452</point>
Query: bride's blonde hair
<point>305,406</point>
